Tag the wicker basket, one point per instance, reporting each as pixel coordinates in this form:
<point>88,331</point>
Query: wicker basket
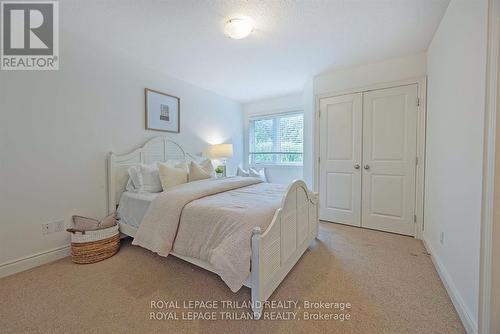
<point>94,246</point>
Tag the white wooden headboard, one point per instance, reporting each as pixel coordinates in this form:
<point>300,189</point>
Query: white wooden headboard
<point>158,149</point>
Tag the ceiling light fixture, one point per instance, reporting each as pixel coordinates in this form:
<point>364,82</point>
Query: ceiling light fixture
<point>238,28</point>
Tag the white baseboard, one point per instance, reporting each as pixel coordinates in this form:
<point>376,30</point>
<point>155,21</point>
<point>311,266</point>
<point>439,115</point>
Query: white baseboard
<point>463,311</point>
<point>34,260</point>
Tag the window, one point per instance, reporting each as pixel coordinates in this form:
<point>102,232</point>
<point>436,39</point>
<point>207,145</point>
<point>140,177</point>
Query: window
<point>276,139</point>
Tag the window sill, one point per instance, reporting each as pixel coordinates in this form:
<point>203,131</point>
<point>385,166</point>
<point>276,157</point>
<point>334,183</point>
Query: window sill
<point>277,166</point>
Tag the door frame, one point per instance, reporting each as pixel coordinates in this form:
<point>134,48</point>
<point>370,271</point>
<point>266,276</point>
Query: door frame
<point>492,109</point>
<point>421,83</point>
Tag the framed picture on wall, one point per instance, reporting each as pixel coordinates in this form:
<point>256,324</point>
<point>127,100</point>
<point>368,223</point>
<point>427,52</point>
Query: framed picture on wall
<point>162,111</point>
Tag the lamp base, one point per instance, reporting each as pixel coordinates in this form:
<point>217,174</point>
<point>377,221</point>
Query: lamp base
<point>224,162</point>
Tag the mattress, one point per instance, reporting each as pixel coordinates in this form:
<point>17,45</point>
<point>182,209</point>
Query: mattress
<point>133,207</point>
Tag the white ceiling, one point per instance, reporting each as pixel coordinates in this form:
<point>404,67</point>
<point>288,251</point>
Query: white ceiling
<point>292,40</point>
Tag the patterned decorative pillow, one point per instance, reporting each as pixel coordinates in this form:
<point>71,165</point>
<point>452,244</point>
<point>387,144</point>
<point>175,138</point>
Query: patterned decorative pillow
<point>144,178</point>
<point>261,174</point>
<point>134,181</point>
<point>241,172</point>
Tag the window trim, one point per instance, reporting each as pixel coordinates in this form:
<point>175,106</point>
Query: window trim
<point>249,138</point>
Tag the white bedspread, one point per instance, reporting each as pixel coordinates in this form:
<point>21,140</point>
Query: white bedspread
<point>211,220</point>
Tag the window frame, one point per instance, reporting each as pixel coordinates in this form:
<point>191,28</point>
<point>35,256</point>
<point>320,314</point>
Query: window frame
<point>275,152</point>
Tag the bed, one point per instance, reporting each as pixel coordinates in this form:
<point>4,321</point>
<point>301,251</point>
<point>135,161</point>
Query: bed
<point>274,248</point>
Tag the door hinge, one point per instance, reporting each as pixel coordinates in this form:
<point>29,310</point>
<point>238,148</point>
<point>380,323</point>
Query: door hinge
<point>414,218</point>
<point>418,102</point>
<point>416,161</point>
<point>319,160</point>
<point>319,113</point>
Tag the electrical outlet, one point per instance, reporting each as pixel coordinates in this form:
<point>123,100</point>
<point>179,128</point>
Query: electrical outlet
<point>52,227</point>
<point>441,238</point>
<point>45,229</point>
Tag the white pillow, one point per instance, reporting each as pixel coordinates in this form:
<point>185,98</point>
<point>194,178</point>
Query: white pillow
<point>241,172</point>
<point>261,174</point>
<point>150,179</point>
<point>173,175</point>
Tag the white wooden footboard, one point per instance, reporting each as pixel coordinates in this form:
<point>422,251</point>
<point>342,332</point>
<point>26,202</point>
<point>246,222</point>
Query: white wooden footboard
<point>276,250</point>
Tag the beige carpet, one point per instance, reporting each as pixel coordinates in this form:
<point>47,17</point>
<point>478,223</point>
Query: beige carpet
<point>389,280</point>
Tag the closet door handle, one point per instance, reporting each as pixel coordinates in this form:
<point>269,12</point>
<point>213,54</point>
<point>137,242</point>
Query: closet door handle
<point>357,166</point>
<point>367,167</point>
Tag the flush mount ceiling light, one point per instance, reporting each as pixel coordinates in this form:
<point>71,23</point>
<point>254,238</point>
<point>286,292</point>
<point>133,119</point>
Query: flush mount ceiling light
<point>238,28</point>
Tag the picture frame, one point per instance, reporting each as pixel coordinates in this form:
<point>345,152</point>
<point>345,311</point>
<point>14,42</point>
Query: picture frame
<point>162,111</point>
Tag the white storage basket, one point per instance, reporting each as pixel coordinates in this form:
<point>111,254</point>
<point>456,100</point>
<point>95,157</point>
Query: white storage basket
<point>89,236</point>
<point>94,246</point>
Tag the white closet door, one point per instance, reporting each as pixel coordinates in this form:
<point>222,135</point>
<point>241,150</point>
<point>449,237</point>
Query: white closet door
<point>340,159</point>
<point>389,158</point>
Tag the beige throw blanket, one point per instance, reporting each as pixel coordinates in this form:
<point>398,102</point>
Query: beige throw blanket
<point>211,220</point>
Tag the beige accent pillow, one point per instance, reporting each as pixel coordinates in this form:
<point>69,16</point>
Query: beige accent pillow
<point>198,172</point>
<point>207,166</point>
<point>172,175</point>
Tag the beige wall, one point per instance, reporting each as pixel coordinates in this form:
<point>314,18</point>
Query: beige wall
<point>454,151</point>
<point>56,128</point>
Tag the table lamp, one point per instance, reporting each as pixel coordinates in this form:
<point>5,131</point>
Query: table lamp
<point>221,151</point>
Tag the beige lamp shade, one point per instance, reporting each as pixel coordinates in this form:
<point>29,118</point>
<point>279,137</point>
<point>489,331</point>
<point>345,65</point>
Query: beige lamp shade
<point>220,151</point>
